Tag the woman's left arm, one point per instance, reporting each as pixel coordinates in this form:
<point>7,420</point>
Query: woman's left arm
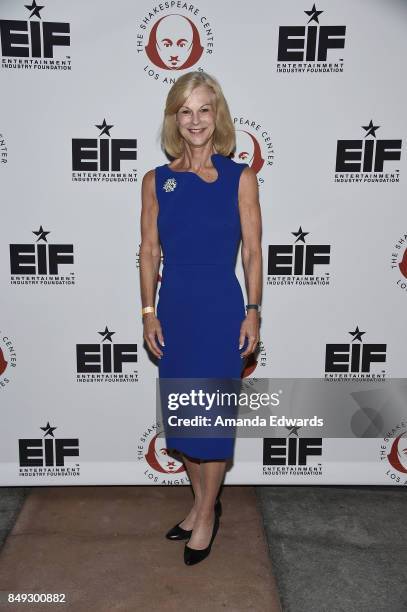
<point>252,259</point>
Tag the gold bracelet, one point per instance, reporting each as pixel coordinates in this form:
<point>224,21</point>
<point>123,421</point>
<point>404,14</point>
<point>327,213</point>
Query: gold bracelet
<point>147,309</point>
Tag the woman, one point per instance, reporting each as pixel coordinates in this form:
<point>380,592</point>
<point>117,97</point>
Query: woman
<point>199,207</point>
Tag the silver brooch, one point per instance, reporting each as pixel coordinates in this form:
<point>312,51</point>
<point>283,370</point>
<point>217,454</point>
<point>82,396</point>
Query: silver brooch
<point>170,184</point>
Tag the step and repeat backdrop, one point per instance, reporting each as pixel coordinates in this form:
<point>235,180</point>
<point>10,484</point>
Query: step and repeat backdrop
<point>317,95</point>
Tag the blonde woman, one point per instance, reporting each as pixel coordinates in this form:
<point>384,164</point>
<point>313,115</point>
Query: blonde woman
<point>198,208</point>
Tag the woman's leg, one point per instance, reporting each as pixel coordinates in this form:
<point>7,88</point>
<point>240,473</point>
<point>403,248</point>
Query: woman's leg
<point>193,468</point>
<point>212,473</point>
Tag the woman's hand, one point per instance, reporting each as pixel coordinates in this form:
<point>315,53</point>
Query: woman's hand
<point>249,329</point>
<point>151,329</point>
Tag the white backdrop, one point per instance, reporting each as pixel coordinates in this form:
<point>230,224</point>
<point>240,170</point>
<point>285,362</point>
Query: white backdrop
<point>83,87</point>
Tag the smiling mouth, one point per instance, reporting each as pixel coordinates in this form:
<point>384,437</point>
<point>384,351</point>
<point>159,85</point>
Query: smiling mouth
<point>194,131</point>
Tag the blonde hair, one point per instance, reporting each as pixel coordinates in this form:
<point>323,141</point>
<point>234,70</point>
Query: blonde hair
<point>224,138</point>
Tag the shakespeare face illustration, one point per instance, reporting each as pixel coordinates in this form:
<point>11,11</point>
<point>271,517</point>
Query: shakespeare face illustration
<point>403,264</point>
<point>174,43</point>
<point>158,458</point>
<point>3,362</point>
<point>398,454</point>
<point>248,150</point>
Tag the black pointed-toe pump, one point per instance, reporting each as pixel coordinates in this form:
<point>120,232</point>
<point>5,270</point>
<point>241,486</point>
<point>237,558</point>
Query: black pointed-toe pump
<point>195,555</point>
<point>178,533</point>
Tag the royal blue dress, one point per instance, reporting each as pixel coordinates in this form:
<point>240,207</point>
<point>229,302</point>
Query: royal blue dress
<point>200,301</point>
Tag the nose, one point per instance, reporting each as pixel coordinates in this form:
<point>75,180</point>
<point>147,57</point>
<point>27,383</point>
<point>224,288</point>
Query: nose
<point>195,118</point>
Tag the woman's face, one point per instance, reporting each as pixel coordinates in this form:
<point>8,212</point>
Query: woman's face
<point>196,118</point>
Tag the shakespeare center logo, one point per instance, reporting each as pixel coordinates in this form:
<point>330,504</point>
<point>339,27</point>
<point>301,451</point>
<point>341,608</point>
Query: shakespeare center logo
<point>355,360</point>
<point>299,263</point>
<point>107,361</point>
<point>398,262</point>
<point>34,43</point>
<point>103,158</point>
<point>368,159</point>
<point>255,360</point>
<point>48,455</point>
<point>254,145</point>
<point>3,150</point>
<point>174,38</point>
<point>311,48</point>
<point>41,262</point>
<point>160,467</point>
<point>292,456</point>
<point>393,452</point>
<point>8,359</point>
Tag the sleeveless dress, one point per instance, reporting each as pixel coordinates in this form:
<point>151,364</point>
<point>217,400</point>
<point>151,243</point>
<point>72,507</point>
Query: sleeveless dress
<point>200,301</point>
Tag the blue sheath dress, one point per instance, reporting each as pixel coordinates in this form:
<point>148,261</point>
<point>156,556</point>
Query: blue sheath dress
<point>200,300</point>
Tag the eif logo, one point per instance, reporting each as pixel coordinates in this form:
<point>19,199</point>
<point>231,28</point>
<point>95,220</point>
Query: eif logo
<point>298,263</point>
<point>291,455</point>
<point>48,455</point>
<point>41,263</point>
<point>102,158</point>
<point>310,48</point>
<point>106,361</point>
<point>34,42</point>
<point>354,360</point>
<point>363,160</point>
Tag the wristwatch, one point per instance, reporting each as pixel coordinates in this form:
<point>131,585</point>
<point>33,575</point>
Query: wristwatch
<point>254,306</point>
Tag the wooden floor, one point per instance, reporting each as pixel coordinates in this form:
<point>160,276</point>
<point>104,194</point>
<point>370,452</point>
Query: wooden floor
<point>104,547</point>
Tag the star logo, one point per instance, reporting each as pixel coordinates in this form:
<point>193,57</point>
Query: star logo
<point>357,334</point>
<point>104,128</point>
<point>300,235</point>
<point>370,129</point>
<point>49,431</point>
<point>34,8</point>
<point>42,235</point>
<point>107,334</point>
<point>313,14</point>
<point>170,184</point>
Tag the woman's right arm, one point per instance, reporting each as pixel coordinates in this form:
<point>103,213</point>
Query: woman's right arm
<point>150,256</point>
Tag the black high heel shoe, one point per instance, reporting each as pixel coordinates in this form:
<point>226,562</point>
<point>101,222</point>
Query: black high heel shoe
<point>178,533</point>
<point>195,555</point>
